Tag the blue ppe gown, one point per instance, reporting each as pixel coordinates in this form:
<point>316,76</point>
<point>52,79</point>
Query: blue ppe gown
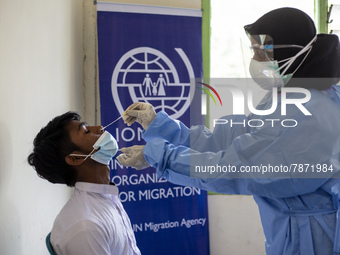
<point>299,215</point>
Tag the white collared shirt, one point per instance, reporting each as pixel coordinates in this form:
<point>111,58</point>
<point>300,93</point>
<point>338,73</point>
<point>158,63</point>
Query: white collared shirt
<point>92,222</point>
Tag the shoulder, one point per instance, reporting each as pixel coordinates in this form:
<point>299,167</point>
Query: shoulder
<point>80,210</point>
<point>82,237</point>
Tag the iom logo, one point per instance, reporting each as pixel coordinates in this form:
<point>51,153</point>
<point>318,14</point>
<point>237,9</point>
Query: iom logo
<point>147,75</point>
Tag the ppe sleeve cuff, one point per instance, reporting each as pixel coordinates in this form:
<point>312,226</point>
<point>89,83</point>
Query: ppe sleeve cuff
<point>154,128</point>
<point>154,154</point>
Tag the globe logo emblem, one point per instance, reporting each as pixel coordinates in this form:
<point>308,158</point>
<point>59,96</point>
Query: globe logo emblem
<point>147,75</point>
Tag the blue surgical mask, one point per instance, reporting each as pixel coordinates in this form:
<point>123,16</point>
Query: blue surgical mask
<point>107,146</point>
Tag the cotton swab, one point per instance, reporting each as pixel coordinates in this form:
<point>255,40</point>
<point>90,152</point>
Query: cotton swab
<point>118,118</point>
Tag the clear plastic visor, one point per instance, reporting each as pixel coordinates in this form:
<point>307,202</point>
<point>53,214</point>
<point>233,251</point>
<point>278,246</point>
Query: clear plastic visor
<point>262,47</point>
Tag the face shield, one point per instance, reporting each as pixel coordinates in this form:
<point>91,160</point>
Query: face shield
<point>264,69</point>
<point>262,47</point>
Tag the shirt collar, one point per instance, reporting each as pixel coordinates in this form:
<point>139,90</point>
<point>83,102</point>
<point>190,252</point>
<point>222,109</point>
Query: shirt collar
<point>97,188</point>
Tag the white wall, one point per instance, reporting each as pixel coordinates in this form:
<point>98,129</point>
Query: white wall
<point>41,76</point>
<point>235,227</point>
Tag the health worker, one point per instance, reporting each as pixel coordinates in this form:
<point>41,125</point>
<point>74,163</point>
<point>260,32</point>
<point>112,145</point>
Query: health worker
<point>300,210</point>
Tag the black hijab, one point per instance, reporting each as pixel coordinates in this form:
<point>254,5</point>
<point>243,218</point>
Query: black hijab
<point>292,26</point>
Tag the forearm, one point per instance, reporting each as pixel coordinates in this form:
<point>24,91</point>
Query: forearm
<point>197,137</point>
<point>167,128</point>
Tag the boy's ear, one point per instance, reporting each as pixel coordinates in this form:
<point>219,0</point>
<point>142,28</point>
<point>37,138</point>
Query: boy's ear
<point>73,160</point>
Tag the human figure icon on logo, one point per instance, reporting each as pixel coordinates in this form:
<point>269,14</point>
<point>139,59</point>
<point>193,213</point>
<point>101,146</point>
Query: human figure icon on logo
<point>154,89</point>
<point>161,82</point>
<point>147,82</point>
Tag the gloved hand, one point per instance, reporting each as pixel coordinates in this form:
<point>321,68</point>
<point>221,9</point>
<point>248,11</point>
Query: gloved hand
<point>143,113</point>
<point>133,156</point>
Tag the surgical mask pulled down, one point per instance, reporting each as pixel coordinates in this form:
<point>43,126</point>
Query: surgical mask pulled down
<point>267,73</point>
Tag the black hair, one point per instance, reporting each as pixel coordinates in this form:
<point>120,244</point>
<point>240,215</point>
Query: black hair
<point>51,145</point>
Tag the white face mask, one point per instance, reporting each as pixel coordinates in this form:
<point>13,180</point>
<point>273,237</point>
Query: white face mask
<point>267,73</point>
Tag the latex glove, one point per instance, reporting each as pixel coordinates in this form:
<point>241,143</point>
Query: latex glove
<point>143,113</point>
<point>133,156</point>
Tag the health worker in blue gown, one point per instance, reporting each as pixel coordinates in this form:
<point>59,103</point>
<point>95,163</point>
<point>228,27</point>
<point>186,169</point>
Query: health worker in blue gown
<point>300,210</point>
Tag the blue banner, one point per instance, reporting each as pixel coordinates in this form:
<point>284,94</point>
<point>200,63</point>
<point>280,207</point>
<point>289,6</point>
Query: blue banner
<point>153,54</point>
